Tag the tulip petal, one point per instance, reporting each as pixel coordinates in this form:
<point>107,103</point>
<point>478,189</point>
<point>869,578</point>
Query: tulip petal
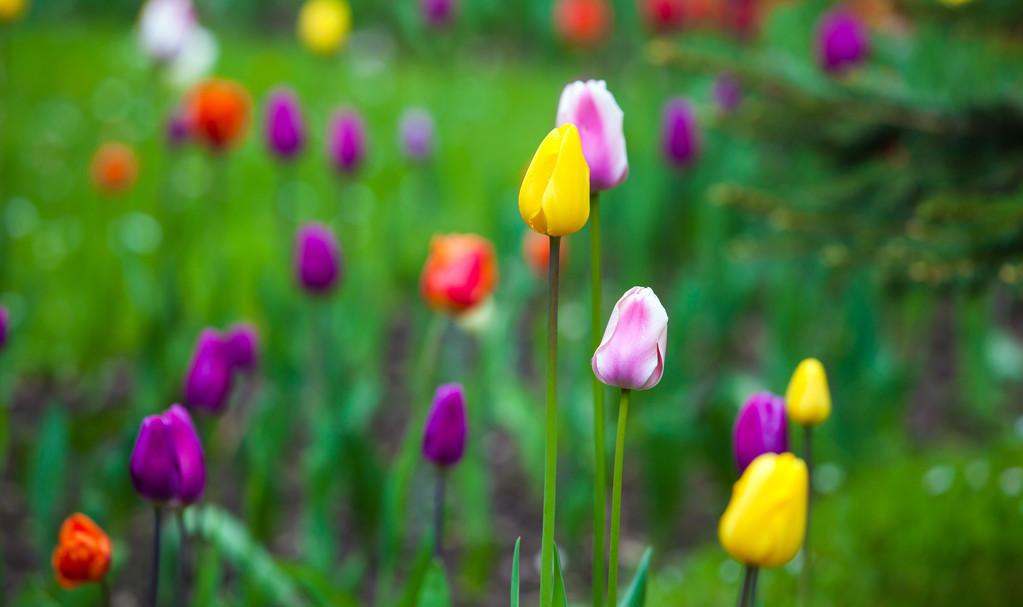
<point>534,184</point>
<point>631,353</point>
<point>566,200</point>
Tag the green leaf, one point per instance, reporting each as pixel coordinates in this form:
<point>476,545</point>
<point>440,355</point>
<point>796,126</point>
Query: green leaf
<point>560,596</point>
<point>515,574</point>
<point>635,596</point>
<point>435,592</point>
<point>416,577</point>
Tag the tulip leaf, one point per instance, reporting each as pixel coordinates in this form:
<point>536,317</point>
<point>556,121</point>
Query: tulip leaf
<point>635,596</point>
<point>435,591</point>
<point>417,575</point>
<point>515,574</point>
<point>560,595</point>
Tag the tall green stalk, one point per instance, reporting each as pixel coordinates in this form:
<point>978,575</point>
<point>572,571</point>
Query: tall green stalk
<point>550,474</point>
<point>748,594</point>
<point>599,455</point>
<point>616,500</point>
<point>806,574</point>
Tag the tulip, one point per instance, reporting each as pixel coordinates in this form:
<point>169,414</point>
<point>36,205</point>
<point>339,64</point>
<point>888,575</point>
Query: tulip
<point>318,259</point>
<point>842,41</point>
<point>167,461</point>
<point>285,130</point>
<point>83,552</point>
<point>12,10</point>
<point>438,13</point>
<point>582,23</point>
<point>178,129</point>
<point>416,134</point>
<point>114,168</point>
<point>760,428</point>
<point>209,378</point>
<point>5,320</point>
<point>764,523</point>
<point>446,428</point>
<point>164,27</point>
<point>727,92</point>
<point>218,112</point>
<point>807,398</point>
<point>631,354</point>
<point>347,141</point>
<point>460,272</point>
<point>595,113</point>
<point>680,135</point>
<point>242,347</point>
<point>196,59</point>
<point>555,195</point>
<point>536,251</point>
<point>664,15</point>
<point>323,25</point>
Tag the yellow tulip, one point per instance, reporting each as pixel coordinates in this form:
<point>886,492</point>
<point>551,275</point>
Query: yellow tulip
<point>765,520</point>
<point>807,399</point>
<point>11,10</point>
<point>955,3</point>
<point>555,195</point>
<point>323,25</point>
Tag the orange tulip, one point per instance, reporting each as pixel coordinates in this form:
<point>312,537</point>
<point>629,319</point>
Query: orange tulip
<point>460,272</point>
<point>83,552</point>
<point>536,250</point>
<point>583,23</point>
<point>218,112</point>
<point>114,167</point>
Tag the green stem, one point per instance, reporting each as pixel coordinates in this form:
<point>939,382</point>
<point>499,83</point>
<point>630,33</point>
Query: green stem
<point>616,500</point>
<point>104,593</point>
<point>806,573</point>
<point>181,591</point>
<point>154,571</point>
<point>438,513</point>
<point>747,596</point>
<point>599,454</point>
<point>550,473</point>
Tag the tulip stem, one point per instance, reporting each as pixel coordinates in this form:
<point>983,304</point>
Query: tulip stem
<point>806,573</point>
<point>599,454</point>
<point>550,473</point>
<point>616,500</point>
<point>438,513</point>
<point>154,573</point>
<point>748,595</point>
<point>104,592</point>
<point>180,591</point>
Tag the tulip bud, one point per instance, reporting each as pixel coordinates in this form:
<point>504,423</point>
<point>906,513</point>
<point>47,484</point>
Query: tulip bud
<point>807,398</point>
<point>5,320</point>
<point>460,272</point>
<point>555,195</point>
<point>114,168</point>
<point>12,10</point>
<point>761,427</point>
<point>218,112</point>
<point>727,93</point>
<point>209,378</point>
<point>595,113</point>
<point>318,259</point>
<point>664,15</point>
<point>285,130</point>
<point>242,345</point>
<point>416,134</point>
<point>446,428</point>
<point>438,13</point>
<point>631,354</point>
<point>765,520</point>
<point>680,135</point>
<point>842,41</point>
<point>167,462</point>
<point>347,141</point>
<point>582,23</point>
<point>323,25</point>
<point>83,552</point>
<point>164,27</point>
<point>536,249</point>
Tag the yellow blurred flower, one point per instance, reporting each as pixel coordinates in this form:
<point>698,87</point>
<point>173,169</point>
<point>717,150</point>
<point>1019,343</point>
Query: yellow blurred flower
<point>955,3</point>
<point>807,399</point>
<point>765,520</point>
<point>555,195</point>
<point>323,25</point>
<point>11,10</point>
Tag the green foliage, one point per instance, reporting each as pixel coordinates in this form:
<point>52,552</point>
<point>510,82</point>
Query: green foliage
<point>635,594</point>
<point>435,591</point>
<point>514,602</point>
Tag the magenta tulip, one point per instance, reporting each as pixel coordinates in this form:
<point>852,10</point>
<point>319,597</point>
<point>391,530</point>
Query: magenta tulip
<point>680,135</point>
<point>317,259</point>
<point>446,428</point>
<point>167,462</point>
<point>761,427</point>
<point>347,141</point>
<point>285,129</point>
<point>209,378</point>
<point>842,41</point>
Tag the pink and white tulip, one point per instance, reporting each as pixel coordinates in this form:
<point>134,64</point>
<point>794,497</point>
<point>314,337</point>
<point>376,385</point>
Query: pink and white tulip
<point>593,110</point>
<point>165,27</point>
<point>631,354</point>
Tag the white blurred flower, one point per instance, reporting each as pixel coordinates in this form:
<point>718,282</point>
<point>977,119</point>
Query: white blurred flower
<point>196,59</point>
<point>165,27</point>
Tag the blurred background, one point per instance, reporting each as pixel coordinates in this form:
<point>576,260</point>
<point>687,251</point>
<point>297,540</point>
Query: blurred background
<point>867,213</point>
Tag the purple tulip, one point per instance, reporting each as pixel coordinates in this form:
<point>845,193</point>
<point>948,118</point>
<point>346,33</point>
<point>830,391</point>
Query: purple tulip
<point>317,259</point>
<point>416,133</point>
<point>178,130</point>
<point>680,135</point>
<point>438,13</point>
<point>285,129</point>
<point>208,383</point>
<point>167,461</point>
<point>593,110</point>
<point>446,427</point>
<point>760,428</point>
<point>727,93</point>
<point>631,354</point>
<point>347,141</point>
<point>242,344</point>
<point>842,41</point>
<point>4,320</point>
